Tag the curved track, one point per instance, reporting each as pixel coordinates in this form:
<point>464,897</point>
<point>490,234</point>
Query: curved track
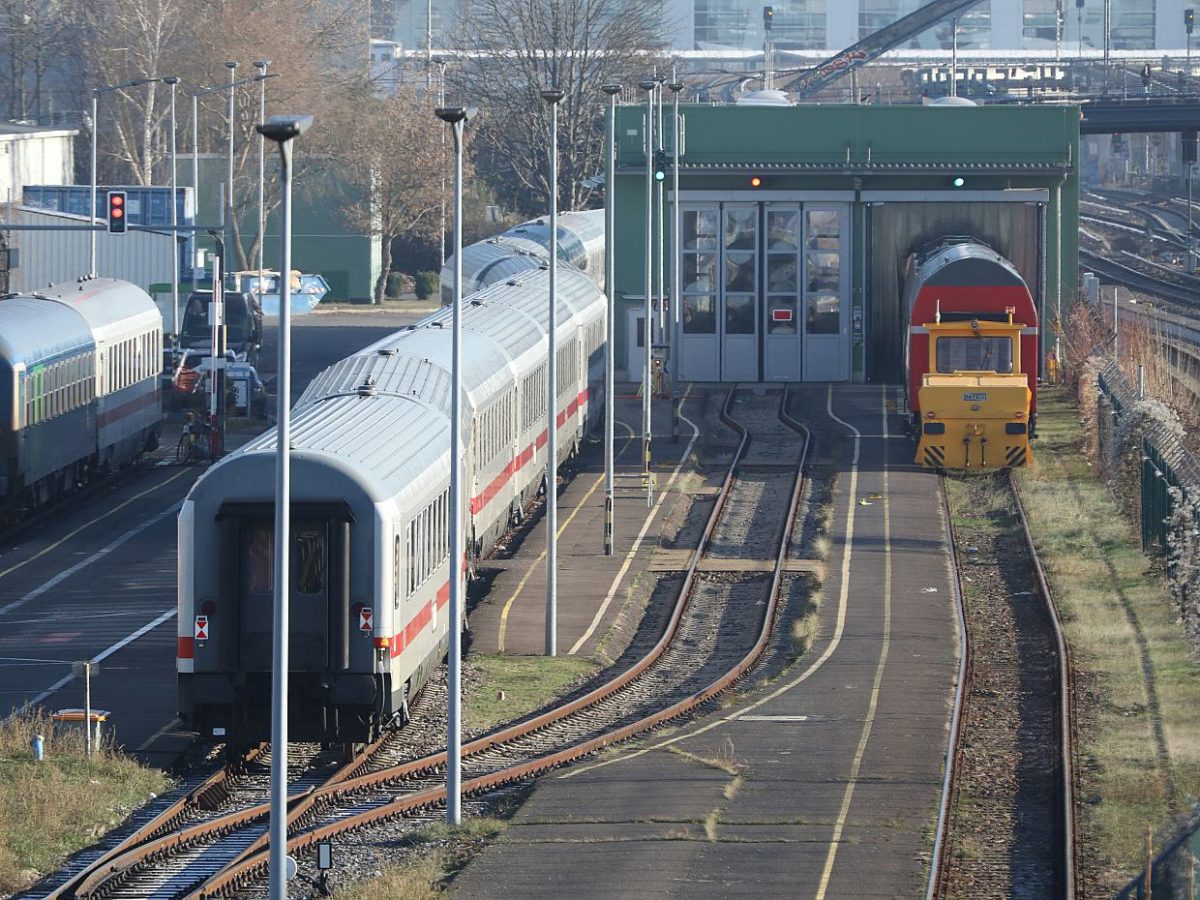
<point>718,629</point>
<point>1008,821</point>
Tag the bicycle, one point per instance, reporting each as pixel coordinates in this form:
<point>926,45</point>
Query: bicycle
<point>193,442</point>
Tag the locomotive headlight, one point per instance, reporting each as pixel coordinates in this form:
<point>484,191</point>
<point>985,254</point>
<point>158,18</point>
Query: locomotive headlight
<point>931,415</point>
<point>1019,415</point>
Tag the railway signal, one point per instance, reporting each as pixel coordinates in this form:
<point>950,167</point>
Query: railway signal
<point>661,164</point>
<point>117,210</point>
<point>1189,20</point>
<point>756,181</point>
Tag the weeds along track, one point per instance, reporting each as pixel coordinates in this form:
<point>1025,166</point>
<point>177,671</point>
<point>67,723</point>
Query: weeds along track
<point>1009,817</point>
<point>719,626</point>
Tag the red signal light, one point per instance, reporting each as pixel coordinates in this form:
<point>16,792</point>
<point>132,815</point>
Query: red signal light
<point>755,181</point>
<point>118,200</point>
<point>117,212</point>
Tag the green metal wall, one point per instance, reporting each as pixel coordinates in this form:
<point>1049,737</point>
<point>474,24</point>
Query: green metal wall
<point>863,148</point>
<point>321,240</point>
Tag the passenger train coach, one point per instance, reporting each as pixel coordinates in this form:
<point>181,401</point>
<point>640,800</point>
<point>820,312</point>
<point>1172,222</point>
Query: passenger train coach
<point>79,386</point>
<point>371,513</point>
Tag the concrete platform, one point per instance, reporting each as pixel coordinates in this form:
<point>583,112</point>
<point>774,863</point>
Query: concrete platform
<point>593,588</point>
<point>823,783</point>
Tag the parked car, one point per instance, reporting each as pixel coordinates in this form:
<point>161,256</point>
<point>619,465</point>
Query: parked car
<point>243,324</point>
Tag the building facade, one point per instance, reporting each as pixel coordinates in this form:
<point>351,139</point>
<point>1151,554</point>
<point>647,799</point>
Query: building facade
<point>798,222</point>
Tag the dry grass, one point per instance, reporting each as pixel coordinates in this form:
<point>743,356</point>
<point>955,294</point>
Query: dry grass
<point>513,686</point>
<point>806,626</point>
<point>435,855</point>
<point>1120,622</point>
<point>50,810</point>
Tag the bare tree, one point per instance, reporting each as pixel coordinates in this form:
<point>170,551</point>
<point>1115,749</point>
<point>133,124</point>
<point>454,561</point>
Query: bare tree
<point>389,164</point>
<point>517,48</point>
<point>33,42</point>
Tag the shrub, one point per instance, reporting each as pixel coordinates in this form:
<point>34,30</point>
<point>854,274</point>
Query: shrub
<point>426,284</point>
<point>395,284</point>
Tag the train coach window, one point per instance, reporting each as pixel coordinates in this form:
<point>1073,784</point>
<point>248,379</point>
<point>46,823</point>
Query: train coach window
<point>260,557</point>
<point>974,354</point>
<point>310,561</point>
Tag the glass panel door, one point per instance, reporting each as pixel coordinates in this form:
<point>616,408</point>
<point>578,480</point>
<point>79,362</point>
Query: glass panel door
<point>699,343</point>
<point>826,287</point>
<point>781,314</point>
<point>739,266</point>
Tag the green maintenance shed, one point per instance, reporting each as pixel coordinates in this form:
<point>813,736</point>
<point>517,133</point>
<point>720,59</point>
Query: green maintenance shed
<point>797,222</point>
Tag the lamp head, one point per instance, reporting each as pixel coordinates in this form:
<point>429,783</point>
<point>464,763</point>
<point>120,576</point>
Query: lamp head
<point>261,63</point>
<point>453,114</point>
<point>647,84</point>
<point>552,95</point>
<point>172,80</point>
<point>283,128</point>
<point>675,86</point>
<point>611,89</point>
<point>231,65</point>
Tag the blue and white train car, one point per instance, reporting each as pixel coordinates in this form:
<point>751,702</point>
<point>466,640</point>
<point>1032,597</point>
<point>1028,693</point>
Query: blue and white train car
<point>79,366</point>
<point>371,513</point>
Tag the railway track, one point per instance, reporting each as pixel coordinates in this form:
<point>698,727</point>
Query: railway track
<point>720,624</point>
<point>1139,281</point>
<point>1008,825</point>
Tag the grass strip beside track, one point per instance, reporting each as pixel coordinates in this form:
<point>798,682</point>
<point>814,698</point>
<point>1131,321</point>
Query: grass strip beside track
<point>510,687</point>
<point>1137,687</point>
<point>49,810</point>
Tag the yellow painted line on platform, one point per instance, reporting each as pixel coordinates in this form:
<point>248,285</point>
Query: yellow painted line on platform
<point>87,525</point>
<point>844,813</point>
<point>834,643</point>
<point>508,604</point>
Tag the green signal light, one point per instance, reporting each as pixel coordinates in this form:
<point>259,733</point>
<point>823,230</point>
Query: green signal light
<point>660,175</point>
<point>959,181</point>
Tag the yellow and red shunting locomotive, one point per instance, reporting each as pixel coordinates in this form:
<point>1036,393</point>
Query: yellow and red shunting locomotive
<point>971,358</point>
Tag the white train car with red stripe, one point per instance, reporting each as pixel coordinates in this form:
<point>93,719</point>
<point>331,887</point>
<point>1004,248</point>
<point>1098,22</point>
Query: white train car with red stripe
<point>79,395</point>
<point>371,515</point>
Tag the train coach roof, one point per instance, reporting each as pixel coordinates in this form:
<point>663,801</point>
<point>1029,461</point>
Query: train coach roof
<point>512,330</point>
<point>389,442</point>
<point>530,292</point>
<point>33,329</point>
<point>104,303</point>
<point>414,362</point>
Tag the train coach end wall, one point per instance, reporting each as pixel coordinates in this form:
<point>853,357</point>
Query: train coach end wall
<point>1137,446</point>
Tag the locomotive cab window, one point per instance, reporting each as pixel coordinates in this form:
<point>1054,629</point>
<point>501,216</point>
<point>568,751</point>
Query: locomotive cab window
<point>974,354</point>
<point>310,562</point>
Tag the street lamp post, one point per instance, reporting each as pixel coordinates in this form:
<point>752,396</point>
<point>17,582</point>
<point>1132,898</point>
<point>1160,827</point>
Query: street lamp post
<point>457,117</point>
<point>648,86</point>
<point>676,340</point>
<point>552,96</point>
<point>261,65</point>
<point>96,94</point>
<point>227,213</point>
<point>173,81</point>
<point>282,130</point>
<point>610,275</point>
<point>660,262</point>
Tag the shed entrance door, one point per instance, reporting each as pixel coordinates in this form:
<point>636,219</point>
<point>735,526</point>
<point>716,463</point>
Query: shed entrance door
<point>781,313</point>
<point>699,343</point>
<point>826,289</point>
<point>739,299</point>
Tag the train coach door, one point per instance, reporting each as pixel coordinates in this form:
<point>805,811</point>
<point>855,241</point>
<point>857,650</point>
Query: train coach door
<point>309,594</point>
<point>826,287</point>
<point>739,300</point>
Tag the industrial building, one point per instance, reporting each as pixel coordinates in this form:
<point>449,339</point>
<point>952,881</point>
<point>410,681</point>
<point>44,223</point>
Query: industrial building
<point>798,221</point>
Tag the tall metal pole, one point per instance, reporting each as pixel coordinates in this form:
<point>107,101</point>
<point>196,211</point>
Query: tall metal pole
<point>92,208</point>
<point>262,65</point>
<point>954,57</point>
<point>552,96</point>
<point>195,180</point>
<point>228,214</point>
<point>457,118</point>
<point>1191,241</point>
<point>174,83</point>
<point>660,189</point>
<point>442,173</point>
<point>676,340</point>
<point>647,360</point>
<point>282,130</point>
<point>610,288</point>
